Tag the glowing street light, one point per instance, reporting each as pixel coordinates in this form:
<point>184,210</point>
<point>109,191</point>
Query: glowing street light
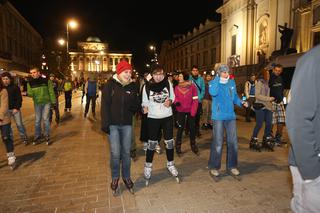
<point>72,24</point>
<point>61,41</point>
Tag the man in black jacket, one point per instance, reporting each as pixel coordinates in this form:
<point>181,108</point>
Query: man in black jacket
<point>15,103</point>
<point>276,91</point>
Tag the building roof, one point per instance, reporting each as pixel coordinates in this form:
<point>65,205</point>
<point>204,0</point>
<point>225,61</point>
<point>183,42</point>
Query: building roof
<point>93,39</point>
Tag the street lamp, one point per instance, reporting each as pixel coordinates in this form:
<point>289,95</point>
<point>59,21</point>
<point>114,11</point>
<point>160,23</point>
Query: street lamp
<point>61,41</point>
<point>72,24</point>
<point>155,56</point>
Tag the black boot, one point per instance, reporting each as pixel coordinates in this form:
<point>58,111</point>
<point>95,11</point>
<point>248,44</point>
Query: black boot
<point>254,144</point>
<point>194,147</point>
<point>278,140</point>
<point>114,186</point>
<point>178,150</point>
<point>268,143</point>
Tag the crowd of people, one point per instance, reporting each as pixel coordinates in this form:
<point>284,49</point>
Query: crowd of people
<point>191,102</point>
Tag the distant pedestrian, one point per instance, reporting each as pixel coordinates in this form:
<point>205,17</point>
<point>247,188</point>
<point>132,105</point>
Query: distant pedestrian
<point>55,106</point>
<point>41,90</point>
<point>303,123</point>
<point>207,104</point>
<point>15,104</point>
<point>67,88</point>
<point>118,105</point>
<point>249,92</point>
<point>91,90</point>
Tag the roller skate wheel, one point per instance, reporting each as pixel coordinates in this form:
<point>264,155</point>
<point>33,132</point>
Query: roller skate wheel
<point>178,180</point>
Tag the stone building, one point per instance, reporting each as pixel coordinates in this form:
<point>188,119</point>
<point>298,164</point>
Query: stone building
<point>94,57</point>
<point>199,47</point>
<point>20,43</point>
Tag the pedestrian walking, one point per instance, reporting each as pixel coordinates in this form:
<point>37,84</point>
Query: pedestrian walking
<point>118,104</point>
<point>92,92</point>
<point>67,88</point>
<point>41,90</point>
<point>207,104</point>
<point>55,106</point>
<point>249,92</point>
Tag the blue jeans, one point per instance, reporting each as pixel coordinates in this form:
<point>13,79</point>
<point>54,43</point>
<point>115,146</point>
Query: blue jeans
<point>120,145</point>
<point>18,119</point>
<point>217,144</point>
<point>6,138</point>
<point>263,115</point>
<point>42,112</point>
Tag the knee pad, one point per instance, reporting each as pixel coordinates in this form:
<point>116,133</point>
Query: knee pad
<point>169,143</point>
<point>152,144</point>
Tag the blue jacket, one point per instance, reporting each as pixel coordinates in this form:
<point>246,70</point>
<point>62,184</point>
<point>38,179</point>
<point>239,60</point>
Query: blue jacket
<point>201,87</point>
<point>224,96</point>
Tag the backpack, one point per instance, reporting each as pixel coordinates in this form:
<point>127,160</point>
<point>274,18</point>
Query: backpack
<point>67,86</point>
<point>146,85</point>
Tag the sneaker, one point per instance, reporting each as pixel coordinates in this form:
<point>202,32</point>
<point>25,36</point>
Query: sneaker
<point>214,172</point>
<point>25,141</point>
<point>235,171</point>
<point>47,139</point>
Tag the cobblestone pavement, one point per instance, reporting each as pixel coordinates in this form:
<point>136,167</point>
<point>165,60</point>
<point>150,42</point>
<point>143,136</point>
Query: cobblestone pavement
<point>72,175</point>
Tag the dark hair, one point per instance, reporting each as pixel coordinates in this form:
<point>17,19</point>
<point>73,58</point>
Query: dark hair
<point>262,73</point>
<point>156,68</point>
<point>35,68</point>
<point>185,75</point>
<point>278,65</point>
<point>194,67</point>
<point>7,74</point>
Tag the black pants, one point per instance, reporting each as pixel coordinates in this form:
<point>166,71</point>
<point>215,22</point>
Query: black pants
<point>93,104</point>
<point>68,96</point>
<point>182,117</point>
<point>198,118</point>
<point>55,108</point>
<point>154,127</point>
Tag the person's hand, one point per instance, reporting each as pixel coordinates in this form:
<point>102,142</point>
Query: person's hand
<point>167,103</point>
<point>272,98</point>
<point>145,110</point>
<point>245,104</point>
<point>14,111</point>
<point>177,104</point>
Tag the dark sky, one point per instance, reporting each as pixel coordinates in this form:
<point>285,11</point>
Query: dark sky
<point>125,25</point>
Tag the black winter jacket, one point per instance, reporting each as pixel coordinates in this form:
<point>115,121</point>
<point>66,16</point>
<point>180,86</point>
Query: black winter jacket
<point>15,98</point>
<point>118,104</point>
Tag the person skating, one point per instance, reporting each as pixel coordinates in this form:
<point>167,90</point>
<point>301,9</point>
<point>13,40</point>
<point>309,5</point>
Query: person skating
<point>249,92</point>
<point>91,90</point>
<point>67,88</point>
<point>118,105</point>
<point>157,98</point>
<point>5,126</point>
<point>207,104</point>
<point>41,90</point>
<point>15,103</point>
<point>55,107</point>
<point>224,97</point>
<point>186,102</point>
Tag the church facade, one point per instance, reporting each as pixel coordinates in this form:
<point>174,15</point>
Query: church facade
<point>253,29</point>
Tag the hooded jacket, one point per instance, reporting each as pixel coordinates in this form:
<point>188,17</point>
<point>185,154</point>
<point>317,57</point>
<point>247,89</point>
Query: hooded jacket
<point>224,97</point>
<point>201,88</point>
<point>118,103</point>
<point>41,90</point>
<point>187,96</point>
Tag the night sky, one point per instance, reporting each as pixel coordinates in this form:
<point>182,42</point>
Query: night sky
<point>125,25</point>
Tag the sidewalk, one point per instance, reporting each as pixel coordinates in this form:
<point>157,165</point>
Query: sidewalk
<point>73,175</point>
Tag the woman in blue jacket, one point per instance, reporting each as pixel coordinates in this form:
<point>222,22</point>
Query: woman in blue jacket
<point>224,97</point>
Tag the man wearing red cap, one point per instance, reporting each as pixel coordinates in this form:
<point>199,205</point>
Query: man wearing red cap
<point>118,104</point>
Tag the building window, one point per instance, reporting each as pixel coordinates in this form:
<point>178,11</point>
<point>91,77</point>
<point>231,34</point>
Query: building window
<point>234,45</point>
<point>192,60</point>
<point>191,48</point>
<point>205,43</point>
<point>186,63</point>
<point>213,55</point>
<point>198,46</point>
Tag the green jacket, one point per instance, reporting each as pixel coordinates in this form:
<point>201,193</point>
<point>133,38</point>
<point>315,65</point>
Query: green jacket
<point>41,90</point>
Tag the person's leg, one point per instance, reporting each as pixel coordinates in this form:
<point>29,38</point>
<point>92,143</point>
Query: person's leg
<point>45,116</point>
<point>197,120</point>
<point>232,144</point>
<point>216,146</point>
<point>153,130</point>
<point>6,139</point>
<point>114,140</point>
<point>38,117</point>
<point>259,122</point>
<point>93,105</point>
<point>22,130</point>
<point>66,98</point>
<point>181,122</point>
<point>56,109</point>
<point>191,121</point>
<point>88,99</point>
<point>268,123</point>
<point>167,125</point>
<point>70,100</point>
<point>125,141</point>
<point>205,111</point>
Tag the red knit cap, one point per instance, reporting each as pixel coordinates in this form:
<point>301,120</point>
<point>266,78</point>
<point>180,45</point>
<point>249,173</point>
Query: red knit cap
<point>122,66</point>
